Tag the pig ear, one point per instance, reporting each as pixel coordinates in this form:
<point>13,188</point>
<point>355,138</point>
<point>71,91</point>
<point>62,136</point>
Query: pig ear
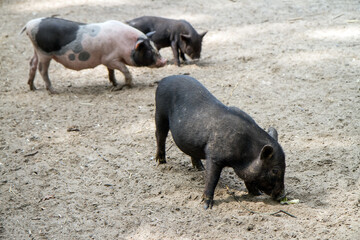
<point>139,43</point>
<point>150,34</point>
<point>203,34</point>
<point>266,152</point>
<point>185,37</point>
<point>273,133</point>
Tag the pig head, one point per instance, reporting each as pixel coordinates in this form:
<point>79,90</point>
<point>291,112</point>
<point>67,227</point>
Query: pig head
<point>265,173</point>
<point>145,53</point>
<point>190,44</point>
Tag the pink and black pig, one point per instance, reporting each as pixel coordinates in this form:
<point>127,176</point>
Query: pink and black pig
<point>80,46</point>
<point>179,34</point>
<point>204,128</point>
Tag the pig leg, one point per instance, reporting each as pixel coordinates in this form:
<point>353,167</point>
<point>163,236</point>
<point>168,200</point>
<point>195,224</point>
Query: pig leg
<point>162,129</point>
<point>33,66</point>
<point>182,55</point>
<point>252,189</point>
<point>213,172</point>
<point>197,164</point>
<point>112,77</point>
<point>122,68</point>
<point>43,69</point>
<point>175,51</point>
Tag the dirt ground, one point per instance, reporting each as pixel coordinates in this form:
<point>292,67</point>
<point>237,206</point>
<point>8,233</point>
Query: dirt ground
<point>294,65</point>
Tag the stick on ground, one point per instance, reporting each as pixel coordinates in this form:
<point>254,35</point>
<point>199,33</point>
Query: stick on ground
<point>251,211</point>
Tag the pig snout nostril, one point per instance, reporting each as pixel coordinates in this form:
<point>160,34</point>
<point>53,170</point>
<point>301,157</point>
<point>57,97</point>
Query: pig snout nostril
<point>161,62</point>
<point>195,56</point>
<point>279,196</point>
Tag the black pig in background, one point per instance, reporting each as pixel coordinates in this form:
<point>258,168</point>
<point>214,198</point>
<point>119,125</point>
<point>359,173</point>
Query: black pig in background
<point>179,34</point>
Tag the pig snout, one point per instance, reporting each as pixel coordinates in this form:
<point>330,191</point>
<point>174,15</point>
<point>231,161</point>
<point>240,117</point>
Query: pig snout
<point>195,56</point>
<point>160,62</point>
<point>278,193</point>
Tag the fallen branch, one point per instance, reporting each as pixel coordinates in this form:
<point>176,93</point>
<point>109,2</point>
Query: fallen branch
<point>31,154</point>
<point>282,211</point>
<point>47,198</point>
<point>251,211</point>
<point>95,149</point>
<point>73,129</point>
<point>236,199</point>
<point>340,15</point>
<point>295,19</point>
<point>170,147</point>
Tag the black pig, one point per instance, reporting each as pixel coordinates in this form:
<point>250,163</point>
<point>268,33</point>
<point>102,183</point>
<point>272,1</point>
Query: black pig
<point>179,34</point>
<point>204,128</point>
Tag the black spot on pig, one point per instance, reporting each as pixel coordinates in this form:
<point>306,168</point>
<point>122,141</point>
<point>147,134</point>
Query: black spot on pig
<point>71,57</point>
<point>84,56</point>
<point>204,128</point>
<point>55,33</point>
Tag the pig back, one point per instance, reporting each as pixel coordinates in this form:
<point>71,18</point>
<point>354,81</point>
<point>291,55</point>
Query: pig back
<point>180,93</point>
<point>189,109</point>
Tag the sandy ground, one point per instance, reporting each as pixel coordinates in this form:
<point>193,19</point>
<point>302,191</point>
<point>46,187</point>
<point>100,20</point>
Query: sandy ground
<point>289,64</point>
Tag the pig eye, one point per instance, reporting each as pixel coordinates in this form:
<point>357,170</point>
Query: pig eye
<point>275,171</point>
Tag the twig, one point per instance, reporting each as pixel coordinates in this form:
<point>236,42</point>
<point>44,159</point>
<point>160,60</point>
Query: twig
<point>95,149</point>
<point>338,16</point>
<point>251,211</point>
<point>88,104</point>
<point>236,199</point>
<point>282,211</point>
<point>73,129</point>
<point>232,92</point>
<point>11,191</point>
<point>170,147</point>
<point>47,198</point>
<point>295,19</point>
<point>31,154</point>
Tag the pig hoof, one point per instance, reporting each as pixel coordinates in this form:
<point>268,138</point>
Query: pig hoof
<point>208,204</point>
<point>254,192</point>
<point>52,91</point>
<point>197,164</point>
<point>200,167</point>
<point>161,160</point>
<point>120,87</point>
<point>258,193</point>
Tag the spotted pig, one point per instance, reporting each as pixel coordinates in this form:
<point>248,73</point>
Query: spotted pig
<point>80,46</point>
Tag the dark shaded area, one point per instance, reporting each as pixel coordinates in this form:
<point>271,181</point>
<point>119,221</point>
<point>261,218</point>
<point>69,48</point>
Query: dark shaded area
<point>55,33</point>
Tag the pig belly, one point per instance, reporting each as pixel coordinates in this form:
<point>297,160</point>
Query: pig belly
<point>190,139</point>
<point>78,61</point>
